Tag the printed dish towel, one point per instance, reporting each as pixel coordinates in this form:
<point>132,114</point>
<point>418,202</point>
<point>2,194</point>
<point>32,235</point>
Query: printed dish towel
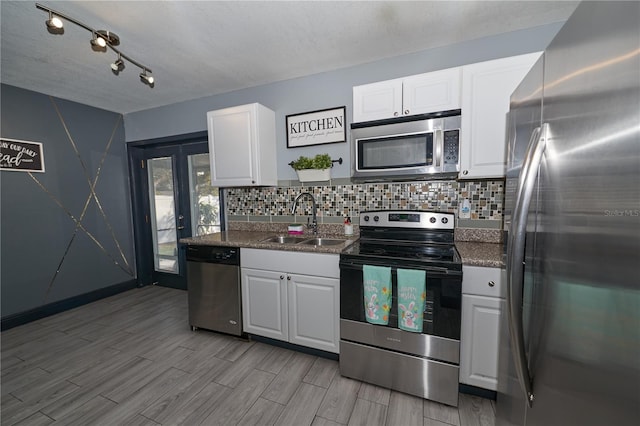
<point>411,297</point>
<point>377,293</point>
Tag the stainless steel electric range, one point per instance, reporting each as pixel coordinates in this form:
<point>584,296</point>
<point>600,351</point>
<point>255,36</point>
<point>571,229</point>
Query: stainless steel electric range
<point>425,363</point>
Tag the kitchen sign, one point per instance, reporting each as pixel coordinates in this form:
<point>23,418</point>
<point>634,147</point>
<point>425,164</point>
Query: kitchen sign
<point>316,127</point>
<point>21,156</point>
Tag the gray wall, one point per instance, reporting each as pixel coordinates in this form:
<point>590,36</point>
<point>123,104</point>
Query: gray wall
<point>327,90</point>
<point>39,236</point>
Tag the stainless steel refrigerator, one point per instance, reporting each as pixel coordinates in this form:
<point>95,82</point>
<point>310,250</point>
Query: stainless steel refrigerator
<point>570,338</point>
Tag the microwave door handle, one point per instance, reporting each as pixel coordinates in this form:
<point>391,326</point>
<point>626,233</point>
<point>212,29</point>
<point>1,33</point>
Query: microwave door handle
<point>516,255</point>
<point>439,138</point>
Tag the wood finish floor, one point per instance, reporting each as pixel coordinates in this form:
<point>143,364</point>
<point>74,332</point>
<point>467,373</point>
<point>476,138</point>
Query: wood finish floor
<point>132,359</point>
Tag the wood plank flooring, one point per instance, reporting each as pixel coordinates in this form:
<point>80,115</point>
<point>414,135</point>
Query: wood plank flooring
<point>132,359</point>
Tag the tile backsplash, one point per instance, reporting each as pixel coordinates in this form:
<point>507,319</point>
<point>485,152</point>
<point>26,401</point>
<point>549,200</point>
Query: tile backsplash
<point>335,201</point>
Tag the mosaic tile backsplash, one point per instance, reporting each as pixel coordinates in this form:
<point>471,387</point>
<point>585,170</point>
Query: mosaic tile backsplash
<point>486,198</point>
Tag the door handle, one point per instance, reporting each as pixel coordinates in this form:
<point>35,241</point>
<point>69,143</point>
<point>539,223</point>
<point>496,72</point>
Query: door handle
<point>439,142</point>
<point>516,255</point>
<point>180,222</point>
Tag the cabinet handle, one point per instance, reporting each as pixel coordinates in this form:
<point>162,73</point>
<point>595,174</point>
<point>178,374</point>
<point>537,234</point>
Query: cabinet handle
<point>282,277</point>
<point>395,114</point>
<point>491,283</point>
<point>406,111</point>
<point>465,172</point>
<point>288,278</point>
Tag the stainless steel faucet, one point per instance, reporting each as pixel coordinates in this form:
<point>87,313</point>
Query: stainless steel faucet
<point>314,206</point>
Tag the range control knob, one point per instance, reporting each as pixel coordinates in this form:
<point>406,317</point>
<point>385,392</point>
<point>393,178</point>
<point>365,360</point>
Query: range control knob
<point>376,218</point>
<point>432,219</point>
<point>445,220</point>
<point>366,218</point>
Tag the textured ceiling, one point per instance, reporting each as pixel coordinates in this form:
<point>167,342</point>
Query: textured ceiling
<point>202,48</point>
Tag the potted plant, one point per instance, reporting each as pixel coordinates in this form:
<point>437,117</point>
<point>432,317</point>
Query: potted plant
<point>313,169</point>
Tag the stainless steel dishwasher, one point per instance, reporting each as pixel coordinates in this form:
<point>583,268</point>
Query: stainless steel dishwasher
<point>213,282</point>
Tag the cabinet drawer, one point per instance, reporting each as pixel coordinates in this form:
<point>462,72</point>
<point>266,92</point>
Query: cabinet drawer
<point>484,281</point>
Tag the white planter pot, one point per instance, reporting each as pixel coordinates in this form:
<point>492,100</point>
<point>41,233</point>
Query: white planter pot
<point>313,175</point>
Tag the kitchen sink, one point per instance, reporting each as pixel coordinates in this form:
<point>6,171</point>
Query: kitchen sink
<point>283,239</point>
<point>322,242</point>
<point>286,239</point>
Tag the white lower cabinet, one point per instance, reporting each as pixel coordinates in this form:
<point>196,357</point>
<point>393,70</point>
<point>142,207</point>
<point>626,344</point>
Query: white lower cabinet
<point>292,296</point>
<point>314,312</point>
<point>482,295</point>
<point>264,303</point>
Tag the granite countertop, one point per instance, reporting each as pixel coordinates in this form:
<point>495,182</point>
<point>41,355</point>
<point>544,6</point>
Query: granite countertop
<point>475,253</point>
<point>253,239</point>
<point>481,254</point>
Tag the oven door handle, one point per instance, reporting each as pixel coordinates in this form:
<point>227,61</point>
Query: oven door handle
<point>358,267</point>
<point>516,255</point>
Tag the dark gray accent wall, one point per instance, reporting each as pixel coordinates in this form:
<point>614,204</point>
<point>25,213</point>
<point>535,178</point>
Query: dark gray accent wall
<point>327,90</point>
<point>45,256</point>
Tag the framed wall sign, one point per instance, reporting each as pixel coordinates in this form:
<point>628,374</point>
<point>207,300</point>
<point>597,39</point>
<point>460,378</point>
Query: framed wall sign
<point>316,127</point>
<point>21,156</point>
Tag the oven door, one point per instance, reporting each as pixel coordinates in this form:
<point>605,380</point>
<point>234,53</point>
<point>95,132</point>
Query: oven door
<point>440,338</point>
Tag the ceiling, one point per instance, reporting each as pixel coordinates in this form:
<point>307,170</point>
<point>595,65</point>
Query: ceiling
<point>203,48</point>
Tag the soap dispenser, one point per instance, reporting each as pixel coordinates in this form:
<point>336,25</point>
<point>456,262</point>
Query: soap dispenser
<point>348,227</point>
<point>465,209</point>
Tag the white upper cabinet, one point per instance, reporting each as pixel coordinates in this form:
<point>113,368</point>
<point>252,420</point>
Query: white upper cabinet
<point>242,146</point>
<point>418,94</point>
<point>376,101</point>
<point>432,92</point>
<point>486,91</point>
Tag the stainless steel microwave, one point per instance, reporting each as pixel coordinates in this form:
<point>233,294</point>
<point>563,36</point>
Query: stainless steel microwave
<point>421,147</point>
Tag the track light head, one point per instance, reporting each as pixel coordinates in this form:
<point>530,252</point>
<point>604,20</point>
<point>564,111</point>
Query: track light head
<point>147,79</point>
<point>54,24</point>
<point>102,38</point>
<point>117,66</point>
<point>98,43</point>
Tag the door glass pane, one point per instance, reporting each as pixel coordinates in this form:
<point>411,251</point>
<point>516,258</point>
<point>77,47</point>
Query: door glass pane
<point>163,220</point>
<point>205,200</point>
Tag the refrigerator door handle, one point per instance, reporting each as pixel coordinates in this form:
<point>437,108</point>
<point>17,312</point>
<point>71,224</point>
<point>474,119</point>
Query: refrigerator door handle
<point>516,254</point>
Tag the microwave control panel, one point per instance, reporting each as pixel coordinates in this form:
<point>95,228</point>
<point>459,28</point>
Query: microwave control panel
<point>451,147</point>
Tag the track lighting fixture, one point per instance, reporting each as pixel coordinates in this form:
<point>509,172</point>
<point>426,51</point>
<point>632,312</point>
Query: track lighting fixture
<point>101,40</point>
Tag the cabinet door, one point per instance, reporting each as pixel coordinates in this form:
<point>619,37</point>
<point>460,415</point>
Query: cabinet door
<point>479,341</point>
<point>231,146</point>
<point>377,101</point>
<point>486,90</point>
<point>242,146</point>
<point>264,303</point>
<point>432,92</point>
<point>314,312</point>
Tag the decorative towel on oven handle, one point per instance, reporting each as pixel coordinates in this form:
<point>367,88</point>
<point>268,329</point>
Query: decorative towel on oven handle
<point>411,299</point>
<point>377,293</point>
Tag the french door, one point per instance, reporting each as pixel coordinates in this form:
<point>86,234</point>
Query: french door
<point>172,199</point>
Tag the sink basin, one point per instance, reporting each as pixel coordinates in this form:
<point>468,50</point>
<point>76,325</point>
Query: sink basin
<point>323,242</point>
<point>283,239</point>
